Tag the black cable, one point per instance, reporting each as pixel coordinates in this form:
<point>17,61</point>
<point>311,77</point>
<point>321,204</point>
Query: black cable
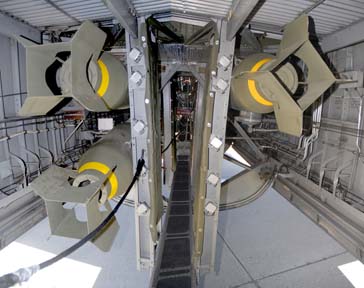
<point>92,234</point>
<point>170,143</point>
<point>173,140</point>
<point>17,277</point>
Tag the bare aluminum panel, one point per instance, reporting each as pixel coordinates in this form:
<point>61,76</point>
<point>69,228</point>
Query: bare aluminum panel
<point>210,8</point>
<point>329,15</point>
<point>42,13</point>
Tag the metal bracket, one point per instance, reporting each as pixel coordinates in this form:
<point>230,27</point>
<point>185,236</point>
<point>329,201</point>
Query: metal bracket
<point>144,105</point>
<point>36,157</point>
<point>338,173</point>
<point>219,87</point>
<point>323,168</point>
<point>48,152</point>
<point>23,168</point>
<point>310,162</point>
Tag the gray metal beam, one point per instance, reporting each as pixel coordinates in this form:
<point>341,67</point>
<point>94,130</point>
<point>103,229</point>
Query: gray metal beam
<point>19,212</point>
<point>241,10</point>
<point>343,38</point>
<point>340,220</point>
<point>241,131</point>
<point>10,26</point>
<point>312,7</point>
<point>54,5</point>
<point>121,10</point>
<point>166,77</point>
<point>267,28</point>
<point>200,34</point>
<point>218,92</point>
<point>181,18</point>
<point>144,114</point>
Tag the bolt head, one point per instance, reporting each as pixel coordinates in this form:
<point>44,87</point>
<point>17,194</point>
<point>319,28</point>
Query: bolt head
<point>210,209</point>
<point>136,78</point>
<point>135,55</point>
<point>216,142</point>
<point>142,209</point>
<point>224,62</point>
<point>222,85</point>
<point>139,127</point>
<point>213,179</point>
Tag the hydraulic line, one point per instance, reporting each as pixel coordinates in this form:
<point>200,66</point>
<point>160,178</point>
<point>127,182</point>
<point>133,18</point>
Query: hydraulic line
<point>24,274</point>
